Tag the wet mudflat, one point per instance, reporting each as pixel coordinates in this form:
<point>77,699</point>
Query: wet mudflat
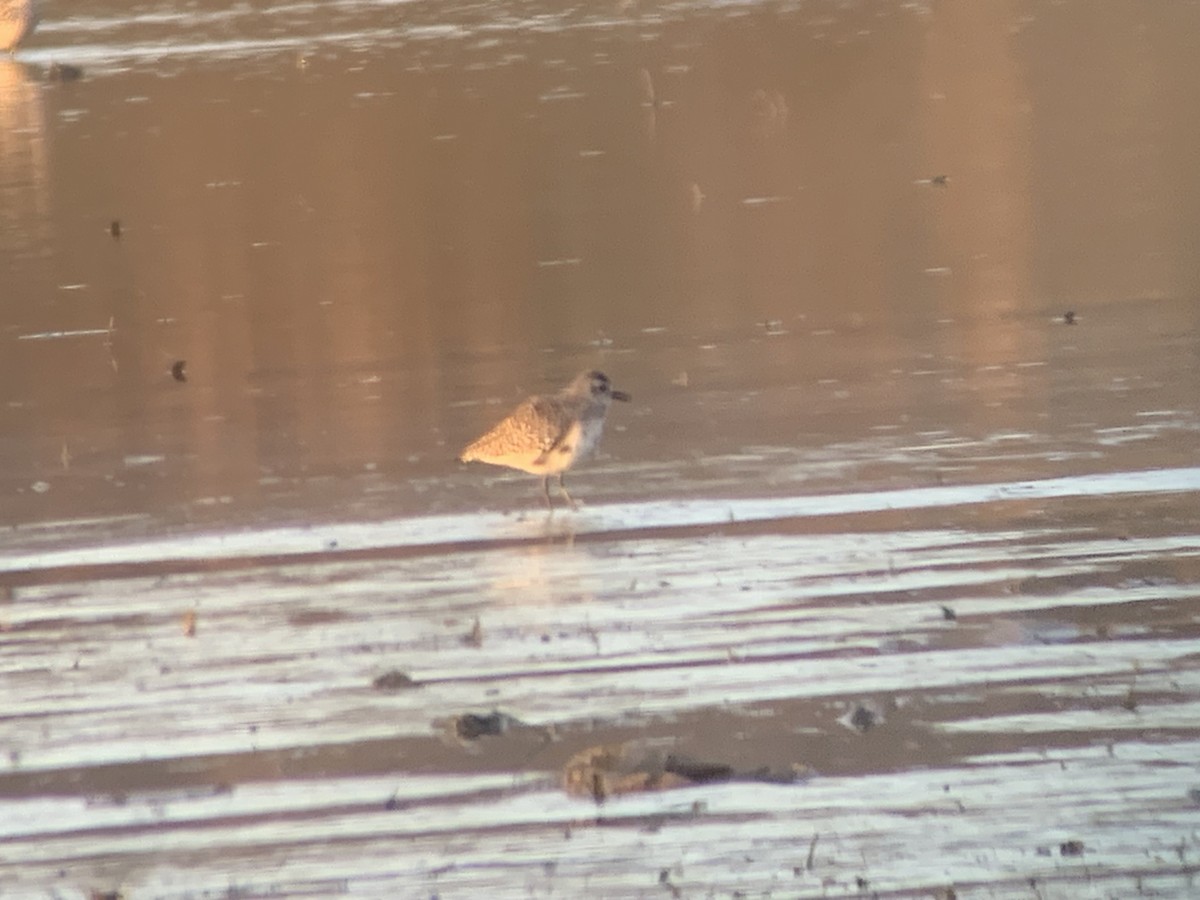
<point>886,583</point>
<point>908,701</point>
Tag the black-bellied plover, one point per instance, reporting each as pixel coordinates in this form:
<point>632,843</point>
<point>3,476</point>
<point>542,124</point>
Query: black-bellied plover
<point>546,435</point>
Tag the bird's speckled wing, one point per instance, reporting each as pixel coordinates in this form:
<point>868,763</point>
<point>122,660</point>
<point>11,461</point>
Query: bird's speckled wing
<point>533,429</point>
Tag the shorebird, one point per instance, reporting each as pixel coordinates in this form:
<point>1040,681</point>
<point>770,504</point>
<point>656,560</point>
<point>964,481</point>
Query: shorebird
<point>17,19</point>
<point>547,434</point>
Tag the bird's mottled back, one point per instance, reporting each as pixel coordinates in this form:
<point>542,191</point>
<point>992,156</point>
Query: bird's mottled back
<point>533,427</point>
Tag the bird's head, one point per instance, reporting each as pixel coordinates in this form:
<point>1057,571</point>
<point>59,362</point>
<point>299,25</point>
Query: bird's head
<point>598,385</point>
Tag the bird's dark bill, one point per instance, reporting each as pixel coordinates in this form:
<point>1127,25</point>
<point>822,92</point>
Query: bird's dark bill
<point>621,395</point>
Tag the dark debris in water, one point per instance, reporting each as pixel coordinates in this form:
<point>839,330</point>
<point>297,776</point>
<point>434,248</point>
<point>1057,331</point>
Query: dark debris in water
<point>698,771</point>
<point>1130,701</point>
<point>474,637</point>
<point>394,803</point>
<point>1071,848</point>
<point>472,726</point>
<point>863,718</point>
<point>395,680</point>
<point>177,370</point>
<point>64,72</point>
<point>614,769</point>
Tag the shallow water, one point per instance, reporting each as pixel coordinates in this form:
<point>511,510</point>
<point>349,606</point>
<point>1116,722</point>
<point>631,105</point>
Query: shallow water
<point>884,530</point>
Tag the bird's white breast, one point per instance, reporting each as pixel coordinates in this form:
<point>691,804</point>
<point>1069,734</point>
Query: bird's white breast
<point>589,435</point>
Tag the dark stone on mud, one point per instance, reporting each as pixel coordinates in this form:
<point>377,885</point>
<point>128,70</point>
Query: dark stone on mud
<point>606,770</point>
<point>1071,848</point>
<point>64,72</point>
<point>863,719</point>
<point>470,726</point>
<point>177,370</point>
<point>394,680</point>
<point>697,771</point>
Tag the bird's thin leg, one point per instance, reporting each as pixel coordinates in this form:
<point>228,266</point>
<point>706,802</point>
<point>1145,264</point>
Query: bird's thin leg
<point>546,493</point>
<point>562,486</point>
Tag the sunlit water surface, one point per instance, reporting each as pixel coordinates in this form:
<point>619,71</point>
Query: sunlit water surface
<point>905,506</point>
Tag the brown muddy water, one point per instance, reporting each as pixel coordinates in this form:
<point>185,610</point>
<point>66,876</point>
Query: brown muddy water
<point>886,584</point>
